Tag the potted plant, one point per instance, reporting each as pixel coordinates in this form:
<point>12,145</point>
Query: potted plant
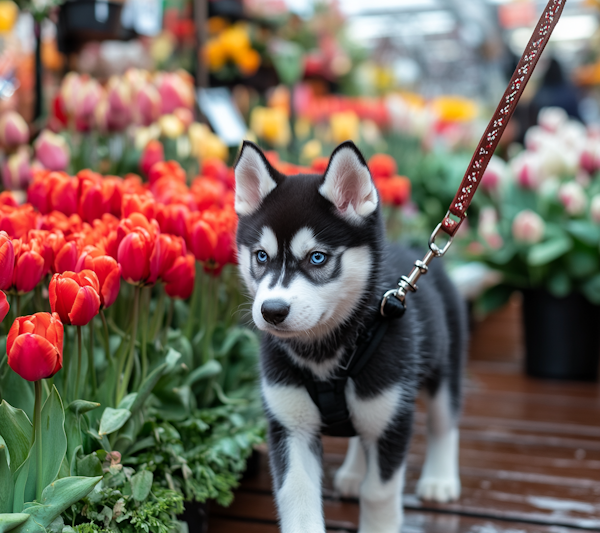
<point>540,227</point>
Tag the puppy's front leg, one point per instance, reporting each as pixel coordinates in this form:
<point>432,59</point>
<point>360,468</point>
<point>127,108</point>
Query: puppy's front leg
<point>295,454</point>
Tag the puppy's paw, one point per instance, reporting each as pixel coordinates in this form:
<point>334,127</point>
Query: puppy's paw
<point>347,482</point>
<point>439,489</point>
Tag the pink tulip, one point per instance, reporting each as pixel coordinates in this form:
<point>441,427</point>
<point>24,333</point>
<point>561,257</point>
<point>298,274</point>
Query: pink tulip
<point>146,105</point>
<point>16,170</point>
<point>528,227</point>
<point>494,174</point>
<point>175,91</point>
<point>488,228</point>
<point>573,198</point>
<point>86,100</point>
<point>526,169</point>
<point>552,118</point>
<point>120,103</point>
<point>52,151</point>
<point>13,130</point>
<point>69,89</point>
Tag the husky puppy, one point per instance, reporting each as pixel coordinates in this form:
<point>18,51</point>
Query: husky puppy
<point>312,253</point>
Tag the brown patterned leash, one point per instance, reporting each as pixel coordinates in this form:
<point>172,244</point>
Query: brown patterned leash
<point>395,307</point>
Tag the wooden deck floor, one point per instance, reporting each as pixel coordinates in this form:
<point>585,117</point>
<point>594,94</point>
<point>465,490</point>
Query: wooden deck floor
<point>530,462</point>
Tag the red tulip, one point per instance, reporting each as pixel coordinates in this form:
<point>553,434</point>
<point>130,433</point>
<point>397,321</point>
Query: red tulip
<point>13,130</point>
<point>167,249</point>
<point>7,199</point>
<point>172,169</point>
<point>208,192</point>
<point>66,258</point>
<point>93,202</point>
<point>213,167</point>
<point>7,261</point>
<point>109,277</point>
<point>382,166</point>
<point>30,265</point>
<point>137,203</point>
<point>153,153</point>
<point>174,219</point>
<point>64,194</point>
<point>4,306</point>
<point>34,346</point>
<point>75,296</point>
<point>17,221</point>
<point>203,240</point>
<point>134,255</point>
<point>179,279</point>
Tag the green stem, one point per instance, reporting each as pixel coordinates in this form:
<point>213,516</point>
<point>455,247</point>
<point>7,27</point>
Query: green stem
<point>146,294</point>
<point>122,389</point>
<point>191,322</point>
<point>159,313</point>
<point>91,366</point>
<point>79,349</point>
<point>18,305</point>
<point>37,416</point>
<point>169,321</point>
<point>106,338</point>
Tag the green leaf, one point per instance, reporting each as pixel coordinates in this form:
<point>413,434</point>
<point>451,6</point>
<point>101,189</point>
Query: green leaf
<point>80,407</point>
<point>141,483</point>
<point>127,402</point>
<point>147,386</point>
<point>559,284</point>
<point>207,370</point>
<point>54,445</point>
<point>6,480</point>
<point>20,478</point>
<point>583,263</point>
<point>584,230</point>
<point>11,520</point>
<point>112,420</point>
<point>56,498</point>
<point>546,252</point>
<point>89,466</point>
<point>591,289</point>
<point>17,431</point>
<point>173,357</point>
<point>17,391</point>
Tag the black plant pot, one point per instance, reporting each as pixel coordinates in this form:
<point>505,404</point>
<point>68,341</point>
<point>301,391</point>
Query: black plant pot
<point>196,516</point>
<point>562,336</point>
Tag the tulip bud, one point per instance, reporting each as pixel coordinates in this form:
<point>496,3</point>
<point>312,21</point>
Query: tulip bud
<point>16,170</point>
<point>488,228</point>
<point>75,296</point>
<point>171,127</point>
<point>573,198</point>
<point>176,90</point>
<point>13,130</point>
<point>594,210</point>
<point>528,227</point>
<point>34,346</point>
<point>153,153</point>
<point>526,169</point>
<point>69,89</point>
<point>167,249</point>
<point>179,280</point>
<point>109,277</point>
<point>66,257</point>
<point>203,241</point>
<point>30,266</point>
<point>494,174</point>
<point>52,151</point>
<point>87,98</point>
<point>134,255</point>
<point>119,99</point>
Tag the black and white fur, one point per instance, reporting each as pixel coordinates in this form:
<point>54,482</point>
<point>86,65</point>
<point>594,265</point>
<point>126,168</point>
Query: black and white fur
<point>311,316</point>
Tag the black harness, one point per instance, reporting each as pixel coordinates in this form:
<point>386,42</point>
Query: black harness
<point>329,396</point>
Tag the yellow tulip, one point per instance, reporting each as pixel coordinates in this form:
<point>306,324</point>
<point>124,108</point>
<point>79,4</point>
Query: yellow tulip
<point>8,15</point>
<point>311,150</point>
<point>344,126</point>
<point>454,108</point>
<point>171,126</point>
<point>234,40</point>
<point>272,125</point>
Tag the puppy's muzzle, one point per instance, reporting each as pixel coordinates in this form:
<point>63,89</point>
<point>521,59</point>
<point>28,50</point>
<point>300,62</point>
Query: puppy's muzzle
<point>275,311</point>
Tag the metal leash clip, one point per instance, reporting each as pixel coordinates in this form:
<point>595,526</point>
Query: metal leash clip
<point>406,284</point>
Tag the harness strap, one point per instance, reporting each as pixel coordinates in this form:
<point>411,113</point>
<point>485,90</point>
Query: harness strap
<point>330,396</point>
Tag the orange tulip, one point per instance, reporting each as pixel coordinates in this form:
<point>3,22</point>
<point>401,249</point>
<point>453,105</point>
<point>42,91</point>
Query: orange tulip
<point>179,279</point>
<point>75,296</point>
<point>7,261</point>
<point>134,255</point>
<point>166,168</point>
<point>34,346</point>
<point>382,166</point>
<point>137,203</point>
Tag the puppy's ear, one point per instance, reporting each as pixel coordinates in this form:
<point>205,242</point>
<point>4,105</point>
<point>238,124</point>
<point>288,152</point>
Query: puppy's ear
<point>254,179</point>
<point>347,184</point>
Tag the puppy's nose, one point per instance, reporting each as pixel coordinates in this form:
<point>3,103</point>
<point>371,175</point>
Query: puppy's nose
<point>275,311</point>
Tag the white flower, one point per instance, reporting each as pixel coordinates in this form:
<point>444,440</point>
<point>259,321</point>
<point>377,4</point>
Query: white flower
<point>526,169</point>
<point>552,118</point>
<point>494,175</point>
<point>488,228</point>
<point>573,198</point>
<point>528,227</point>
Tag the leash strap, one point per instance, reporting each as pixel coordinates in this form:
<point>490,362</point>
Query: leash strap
<point>506,107</point>
<point>393,303</point>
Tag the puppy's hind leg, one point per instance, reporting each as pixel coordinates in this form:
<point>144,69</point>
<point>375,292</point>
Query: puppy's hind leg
<point>351,474</point>
<point>440,479</point>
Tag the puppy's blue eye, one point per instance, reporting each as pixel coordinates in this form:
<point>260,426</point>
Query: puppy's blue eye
<point>261,256</point>
<point>318,258</point>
